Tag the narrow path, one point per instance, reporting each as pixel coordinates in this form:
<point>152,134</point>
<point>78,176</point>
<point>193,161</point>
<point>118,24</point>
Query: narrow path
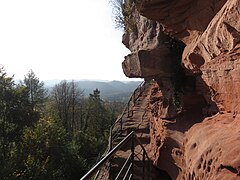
<point>136,119</point>
<point>139,121</point>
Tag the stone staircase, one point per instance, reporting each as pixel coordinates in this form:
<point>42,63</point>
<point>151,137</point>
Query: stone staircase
<point>135,118</point>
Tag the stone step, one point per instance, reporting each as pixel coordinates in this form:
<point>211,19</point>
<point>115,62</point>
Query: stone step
<point>138,123</point>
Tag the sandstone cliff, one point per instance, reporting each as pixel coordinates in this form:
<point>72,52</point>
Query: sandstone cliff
<point>191,48</point>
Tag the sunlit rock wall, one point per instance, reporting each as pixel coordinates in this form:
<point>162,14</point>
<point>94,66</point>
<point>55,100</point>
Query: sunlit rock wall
<point>195,128</point>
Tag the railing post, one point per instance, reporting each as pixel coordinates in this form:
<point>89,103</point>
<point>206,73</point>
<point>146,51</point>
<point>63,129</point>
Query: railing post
<point>132,150</point>
<point>140,88</point>
<point>110,143</point>
<point>121,126</point>
<point>128,107</point>
<point>143,161</point>
<point>150,170</point>
<point>134,93</point>
<point>110,147</point>
<point>106,158</point>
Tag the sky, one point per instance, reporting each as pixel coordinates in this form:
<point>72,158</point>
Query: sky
<point>60,39</point>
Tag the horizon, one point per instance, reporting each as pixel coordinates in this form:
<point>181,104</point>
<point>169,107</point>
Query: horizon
<point>56,81</point>
<point>51,82</point>
<point>97,80</point>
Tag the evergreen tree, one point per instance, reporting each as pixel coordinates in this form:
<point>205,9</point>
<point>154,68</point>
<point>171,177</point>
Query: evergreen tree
<point>47,153</point>
<point>50,148</point>
<point>97,121</point>
<point>37,92</point>
<point>15,114</point>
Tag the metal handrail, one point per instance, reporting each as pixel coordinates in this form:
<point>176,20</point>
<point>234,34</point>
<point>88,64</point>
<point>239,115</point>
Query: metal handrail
<point>124,165</point>
<point>106,158</point>
<point>110,154</point>
<point>132,98</point>
<point>137,92</point>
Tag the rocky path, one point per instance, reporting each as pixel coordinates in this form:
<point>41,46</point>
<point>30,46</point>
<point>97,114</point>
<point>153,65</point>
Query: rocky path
<point>136,119</point>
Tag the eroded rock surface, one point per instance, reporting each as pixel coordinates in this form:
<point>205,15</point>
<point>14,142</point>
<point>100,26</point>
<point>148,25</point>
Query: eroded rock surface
<point>148,63</point>
<point>211,149</point>
<point>183,19</point>
<point>191,48</point>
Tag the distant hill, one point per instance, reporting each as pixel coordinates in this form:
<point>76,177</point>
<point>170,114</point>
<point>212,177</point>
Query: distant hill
<point>110,90</point>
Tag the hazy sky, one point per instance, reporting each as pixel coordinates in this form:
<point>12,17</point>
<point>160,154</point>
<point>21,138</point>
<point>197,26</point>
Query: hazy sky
<point>60,39</point>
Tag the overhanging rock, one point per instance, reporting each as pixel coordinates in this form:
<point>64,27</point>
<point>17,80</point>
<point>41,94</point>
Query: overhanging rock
<point>148,63</point>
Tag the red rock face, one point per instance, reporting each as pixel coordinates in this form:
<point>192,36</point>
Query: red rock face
<point>183,19</point>
<point>211,149</point>
<point>195,129</point>
<point>148,63</point>
<point>218,47</point>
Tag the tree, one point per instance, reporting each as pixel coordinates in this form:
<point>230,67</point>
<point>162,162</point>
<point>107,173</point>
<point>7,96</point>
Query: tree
<point>97,118</point>
<point>6,86</point>
<point>37,92</point>
<point>50,148</point>
<point>117,13</point>
<point>115,108</point>
<point>68,99</point>
<point>122,14</point>
<point>15,114</point>
<point>47,153</point>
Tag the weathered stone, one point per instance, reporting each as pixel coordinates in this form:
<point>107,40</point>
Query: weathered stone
<point>215,54</point>
<point>195,117</point>
<point>211,149</point>
<point>150,63</point>
<point>183,19</point>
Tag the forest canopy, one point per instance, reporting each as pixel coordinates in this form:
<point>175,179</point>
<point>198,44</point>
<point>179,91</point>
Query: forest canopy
<point>57,134</point>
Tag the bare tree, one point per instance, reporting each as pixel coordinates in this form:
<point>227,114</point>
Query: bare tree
<point>123,14</point>
<point>68,98</point>
<point>117,13</point>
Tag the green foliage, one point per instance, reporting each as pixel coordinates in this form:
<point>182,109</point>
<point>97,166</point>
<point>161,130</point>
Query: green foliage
<point>97,118</point>
<point>36,91</point>
<point>15,114</point>
<point>88,147</point>
<point>47,153</point>
<point>64,143</point>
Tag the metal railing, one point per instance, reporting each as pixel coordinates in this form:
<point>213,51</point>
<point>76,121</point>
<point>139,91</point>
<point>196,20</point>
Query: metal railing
<point>132,163</point>
<point>116,131</point>
<point>117,128</point>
